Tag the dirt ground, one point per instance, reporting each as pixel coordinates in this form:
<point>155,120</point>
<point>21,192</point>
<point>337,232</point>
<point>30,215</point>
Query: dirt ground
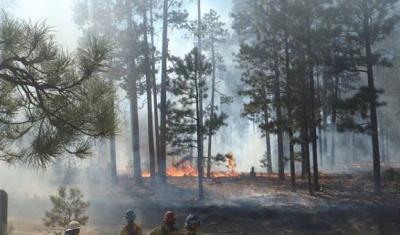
<point>241,205</point>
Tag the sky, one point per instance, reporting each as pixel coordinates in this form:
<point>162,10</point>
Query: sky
<point>59,15</point>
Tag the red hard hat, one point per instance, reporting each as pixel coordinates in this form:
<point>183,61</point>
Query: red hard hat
<point>169,217</point>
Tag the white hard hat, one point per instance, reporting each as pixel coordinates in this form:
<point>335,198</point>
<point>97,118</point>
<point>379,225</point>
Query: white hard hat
<point>73,225</point>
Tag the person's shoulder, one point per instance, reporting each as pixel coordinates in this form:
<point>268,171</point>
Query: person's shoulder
<point>175,231</point>
<point>156,229</point>
<point>138,227</point>
<point>122,231</point>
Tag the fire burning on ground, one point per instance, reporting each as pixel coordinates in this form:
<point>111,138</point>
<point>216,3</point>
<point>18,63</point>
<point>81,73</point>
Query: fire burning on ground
<point>185,168</point>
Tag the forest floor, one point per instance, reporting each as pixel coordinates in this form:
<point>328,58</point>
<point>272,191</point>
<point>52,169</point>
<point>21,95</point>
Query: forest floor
<point>240,205</point>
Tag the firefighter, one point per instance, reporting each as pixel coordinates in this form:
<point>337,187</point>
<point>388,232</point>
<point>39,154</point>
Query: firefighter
<point>131,228</point>
<point>192,224</point>
<point>168,227</point>
<point>73,228</point>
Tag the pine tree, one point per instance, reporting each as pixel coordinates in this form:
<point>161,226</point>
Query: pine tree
<point>58,100</point>
<point>213,32</point>
<point>68,205</point>
<point>367,23</point>
<point>183,110</point>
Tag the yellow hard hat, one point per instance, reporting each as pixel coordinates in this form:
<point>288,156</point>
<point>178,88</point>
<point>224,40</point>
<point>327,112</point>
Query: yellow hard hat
<point>73,225</point>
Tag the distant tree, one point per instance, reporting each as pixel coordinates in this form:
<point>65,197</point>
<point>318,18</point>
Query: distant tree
<point>368,22</point>
<point>214,32</point>
<point>184,85</point>
<point>68,205</point>
<point>52,103</point>
<point>257,89</point>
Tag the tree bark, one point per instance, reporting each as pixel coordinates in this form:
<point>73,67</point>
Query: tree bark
<point>305,136</point>
<point>289,108</point>
<point>267,139</point>
<point>154,84</point>
<point>135,123</point>
<point>281,160</point>
<point>113,159</point>
<point>313,129</point>
<point>333,125</point>
<point>132,76</point>
<point>162,158</point>
<point>210,131</point>
<point>150,129</point>
<point>200,109</point>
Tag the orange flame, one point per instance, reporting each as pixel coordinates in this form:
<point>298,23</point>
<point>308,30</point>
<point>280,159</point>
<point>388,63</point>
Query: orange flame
<point>187,170</point>
<point>182,170</point>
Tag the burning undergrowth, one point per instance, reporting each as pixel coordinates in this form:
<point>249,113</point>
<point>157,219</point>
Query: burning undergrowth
<point>224,166</point>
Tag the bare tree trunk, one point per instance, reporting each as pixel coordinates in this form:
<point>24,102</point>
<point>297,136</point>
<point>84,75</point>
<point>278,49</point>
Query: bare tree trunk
<point>333,127</point>
<point>113,153</point>
<point>113,159</point>
<point>135,124</point>
<point>268,140</point>
<point>314,131</point>
<point>303,158</point>
<point>374,118</point>
<point>313,126</point>
<point>200,109</point>
<point>162,158</point>
<point>325,136</point>
<point>353,147</point>
<point>305,137</point>
<point>281,160</point>
<point>210,131</point>
<point>387,147</point>
<point>289,109</point>
<point>154,83</point>
<point>148,93</point>
<point>134,104</point>
<point>320,137</point>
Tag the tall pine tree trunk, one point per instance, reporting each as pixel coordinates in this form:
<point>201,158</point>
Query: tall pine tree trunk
<point>320,137</point>
<point>277,87</point>
<point>210,131</point>
<point>325,135</point>
<point>313,125</point>
<point>150,129</point>
<point>303,156</point>
<point>267,139</point>
<point>353,147</point>
<point>162,158</point>
<point>371,86</point>
<point>135,123</point>
<point>154,84</point>
<point>113,159</point>
<point>313,130</point>
<point>132,76</point>
<point>320,142</point>
<point>200,148</point>
<point>333,124</point>
<point>289,108</point>
<point>305,134</point>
